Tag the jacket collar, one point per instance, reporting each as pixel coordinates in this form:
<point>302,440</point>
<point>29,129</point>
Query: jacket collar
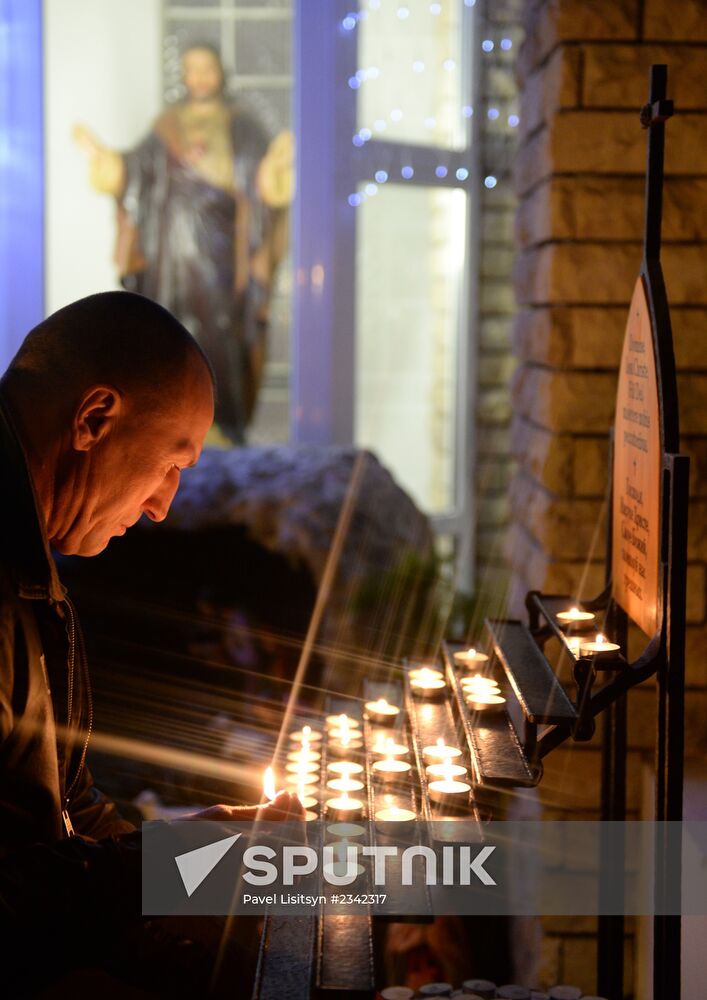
<point>24,549</point>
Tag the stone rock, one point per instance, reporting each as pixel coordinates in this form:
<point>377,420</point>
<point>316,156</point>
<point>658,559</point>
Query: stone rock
<point>289,500</point>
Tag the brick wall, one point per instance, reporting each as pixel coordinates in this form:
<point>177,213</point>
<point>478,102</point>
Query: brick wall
<point>583,74</point>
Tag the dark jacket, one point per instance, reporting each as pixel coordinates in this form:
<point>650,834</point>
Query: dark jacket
<point>46,876</point>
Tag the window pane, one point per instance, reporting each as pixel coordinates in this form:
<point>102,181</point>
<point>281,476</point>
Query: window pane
<point>410,84</point>
<point>410,256</point>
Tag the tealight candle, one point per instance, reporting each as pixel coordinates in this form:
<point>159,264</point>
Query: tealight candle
<point>310,816</point>
<point>302,767</point>
<point>484,702</point>
<point>573,644</point>
<point>427,682</point>
<point>342,721</point>
<point>341,864</point>
<point>470,658</point>
<point>386,745</point>
<point>303,755</point>
<point>479,683</point>
<point>445,770</point>
<point>390,769</point>
<point>343,807</point>
<point>346,767</point>
<point>600,647</point>
<point>302,777</point>
<point>574,616</point>
<point>308,801</point>
<point>346,830</point>
<point>448,790</point>
<point>382,712</point>
<point>416,673</point>
<point>345,785</point>
<point>440,751</point>
<point>305,735</point>
<point>391,812</point>
<point>343,747</point>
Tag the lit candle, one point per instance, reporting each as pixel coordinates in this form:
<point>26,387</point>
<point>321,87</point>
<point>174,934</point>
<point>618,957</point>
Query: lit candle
<point>440,751</point>
<point>445,770</point>
<point>343,807</point>
<point>427,682</point>
<point>344,785</point>
<point>302,777</point>
<point>478,683</point>
<point>573,644</point>
<point>342,721</point>
<point>574,616</point>
<point>345,767</point>
<point>269,790</point>
<point>386,746</point>
<point>391,812</point>
<point>346,830</point>
<point>470,658</point>
<point>485,702</point>
<point>305,735</point>
<point>382,712</point>
<point>302,767</point>
<point>345,745</point>
<point>304,755</point>
<point>416,673</point>
<point>601,647</point>
<point>390,768</point>
<point>340,865</point>
<point>448,790</point>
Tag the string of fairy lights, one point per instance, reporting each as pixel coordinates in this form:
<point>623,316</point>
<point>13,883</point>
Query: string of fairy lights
<point>382,124</point>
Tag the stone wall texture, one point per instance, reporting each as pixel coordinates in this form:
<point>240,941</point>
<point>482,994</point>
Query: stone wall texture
<point>582,74</point>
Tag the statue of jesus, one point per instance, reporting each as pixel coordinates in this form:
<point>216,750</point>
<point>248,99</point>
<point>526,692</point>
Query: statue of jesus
<point>202,225</point>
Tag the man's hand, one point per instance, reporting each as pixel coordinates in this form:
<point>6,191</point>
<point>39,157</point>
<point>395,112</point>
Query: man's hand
<point>285,806</point>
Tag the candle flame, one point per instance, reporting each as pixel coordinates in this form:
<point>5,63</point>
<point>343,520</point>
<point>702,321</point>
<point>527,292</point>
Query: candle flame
<point>601,639</point>
<point>574,612</point>
<point>306,732</point>
<point>269,784</point>
<point>471,652</point>
<point>440,741</point>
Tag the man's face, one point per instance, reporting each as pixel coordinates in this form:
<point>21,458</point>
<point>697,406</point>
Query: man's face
<point>203,76</point>
<point>134,470</point>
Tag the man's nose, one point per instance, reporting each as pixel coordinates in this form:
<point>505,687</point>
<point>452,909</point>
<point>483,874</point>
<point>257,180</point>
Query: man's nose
<point>157,506</point>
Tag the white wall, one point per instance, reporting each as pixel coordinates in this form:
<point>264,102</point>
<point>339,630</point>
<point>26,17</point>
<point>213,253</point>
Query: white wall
<point>102,68</point>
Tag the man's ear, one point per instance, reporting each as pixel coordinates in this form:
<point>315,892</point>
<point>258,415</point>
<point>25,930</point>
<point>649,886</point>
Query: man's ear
<point>95,416</point>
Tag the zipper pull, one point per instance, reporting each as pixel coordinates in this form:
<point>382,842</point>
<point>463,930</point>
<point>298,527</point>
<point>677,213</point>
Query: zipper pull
<point>68,825</point>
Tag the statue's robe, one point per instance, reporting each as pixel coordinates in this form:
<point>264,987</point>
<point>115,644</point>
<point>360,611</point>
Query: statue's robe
<point>205,251</point>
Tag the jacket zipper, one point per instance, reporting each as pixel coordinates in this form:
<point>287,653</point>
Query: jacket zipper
<point>76,643</point>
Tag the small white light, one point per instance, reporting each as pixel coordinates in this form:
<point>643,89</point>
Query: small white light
<point>513,121</point>
<point>379,125</point>
<point>435,8</point>
<point>467,111</point>
<point>462,174</point>
<point>430,122</point>
<point>396,115</point>
<point>449,65</point>
<point>371,189</point>
<point>354,83</point>
<point>365,134</point>
<point>441,171</point>
<point>418,66</point>
<point>349,22</point>
<point>487,45</point>
<point>506,44</point>
<point>493,114</point>
<point>361,75</point>
<point>354,200</point>
<point>381,176</point>
<point>373,72</point>
<point>407,173</point>
<point>490,181</point>
<point>357,140</point>
<point>403,13</point>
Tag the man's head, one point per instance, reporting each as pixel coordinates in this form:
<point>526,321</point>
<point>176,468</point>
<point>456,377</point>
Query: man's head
<point>202,71</point>
<point>112,397</point>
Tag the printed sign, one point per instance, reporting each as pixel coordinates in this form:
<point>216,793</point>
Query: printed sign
<point>637,473</point>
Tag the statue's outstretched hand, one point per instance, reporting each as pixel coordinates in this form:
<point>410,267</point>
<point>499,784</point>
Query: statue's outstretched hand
<point>276,174</point>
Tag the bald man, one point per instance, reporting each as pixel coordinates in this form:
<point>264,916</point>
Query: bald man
<point>102,407</point>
